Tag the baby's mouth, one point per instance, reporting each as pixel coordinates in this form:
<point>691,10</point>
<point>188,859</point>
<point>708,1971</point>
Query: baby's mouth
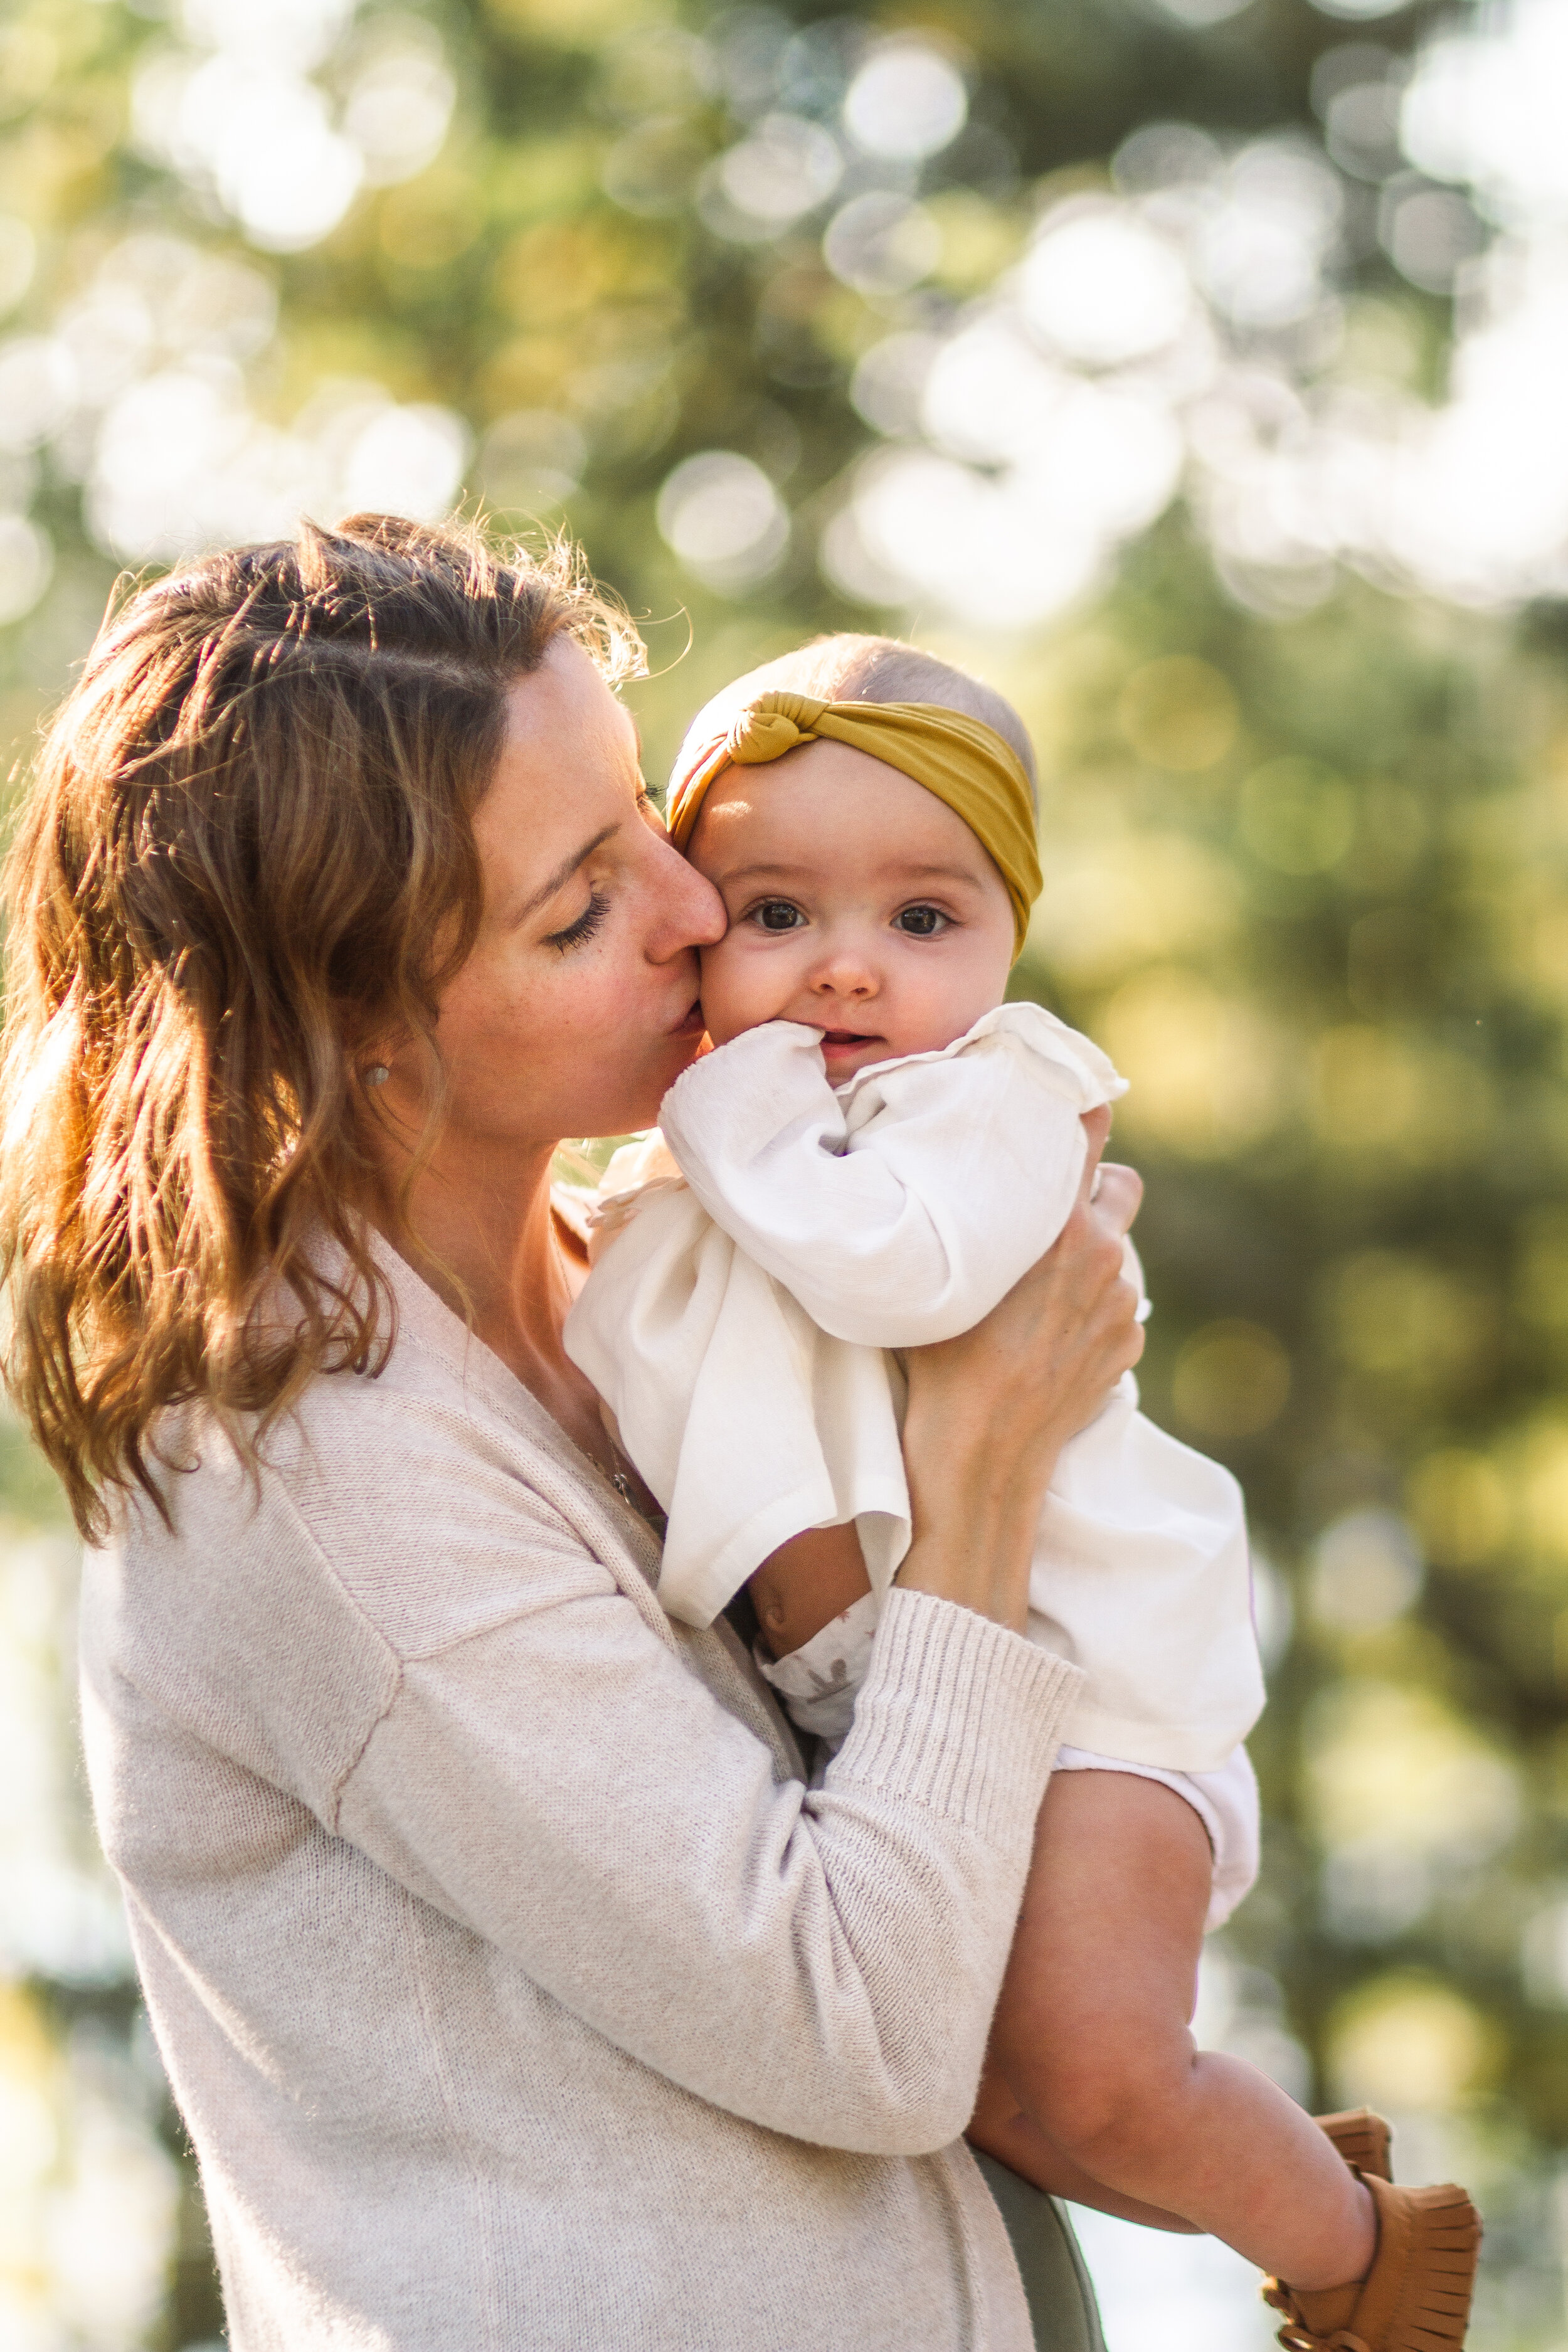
<point>846,1037</point>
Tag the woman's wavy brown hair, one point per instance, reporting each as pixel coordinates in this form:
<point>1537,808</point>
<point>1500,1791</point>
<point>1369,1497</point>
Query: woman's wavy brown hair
<point>247,851</point>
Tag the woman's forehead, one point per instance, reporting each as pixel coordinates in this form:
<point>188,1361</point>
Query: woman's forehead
<point>567,766</point>
<point>565,695</point>
<point>564,728</point>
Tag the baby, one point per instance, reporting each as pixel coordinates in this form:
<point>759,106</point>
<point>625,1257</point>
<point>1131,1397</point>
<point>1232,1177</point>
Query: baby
<point>875,1151</point>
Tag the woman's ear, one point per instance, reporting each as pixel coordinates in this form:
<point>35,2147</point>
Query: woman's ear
<point>371,1049</point>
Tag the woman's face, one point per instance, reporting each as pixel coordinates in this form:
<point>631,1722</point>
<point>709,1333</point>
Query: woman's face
<point>577,1007</point>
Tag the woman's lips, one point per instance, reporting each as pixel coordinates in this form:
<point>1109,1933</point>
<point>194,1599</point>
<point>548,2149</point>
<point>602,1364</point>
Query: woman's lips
<point>690,1023</point>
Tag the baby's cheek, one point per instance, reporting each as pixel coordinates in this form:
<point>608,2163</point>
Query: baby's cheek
<point>726,1000</point>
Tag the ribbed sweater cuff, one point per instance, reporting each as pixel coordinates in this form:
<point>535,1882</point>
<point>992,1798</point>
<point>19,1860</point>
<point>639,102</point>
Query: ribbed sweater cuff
<point>960,1714</point>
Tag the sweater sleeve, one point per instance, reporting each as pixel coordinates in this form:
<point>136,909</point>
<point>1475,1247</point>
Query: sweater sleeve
<point>900,1213</point>
<point>824,1963</point>
<point>424,1651</point>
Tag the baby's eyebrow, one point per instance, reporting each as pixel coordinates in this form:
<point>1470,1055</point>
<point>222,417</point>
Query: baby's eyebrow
<point>771,865</point>
<point>935,872</point>
<point>892,869</point>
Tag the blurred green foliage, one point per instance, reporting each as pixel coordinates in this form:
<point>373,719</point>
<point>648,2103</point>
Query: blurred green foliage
<point>1305,880</point>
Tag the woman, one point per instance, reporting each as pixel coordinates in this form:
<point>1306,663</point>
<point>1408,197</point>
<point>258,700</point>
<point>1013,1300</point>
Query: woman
<point>514,1989</point>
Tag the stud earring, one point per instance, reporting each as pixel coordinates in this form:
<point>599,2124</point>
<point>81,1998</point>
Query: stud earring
<point>377,1075</point>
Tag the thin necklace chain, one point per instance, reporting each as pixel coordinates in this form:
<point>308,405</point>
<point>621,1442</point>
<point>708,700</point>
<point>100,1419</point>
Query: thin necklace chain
<point>619,1469</point>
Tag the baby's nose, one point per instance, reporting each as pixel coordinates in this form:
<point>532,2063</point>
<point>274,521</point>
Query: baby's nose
<point>846,976</point>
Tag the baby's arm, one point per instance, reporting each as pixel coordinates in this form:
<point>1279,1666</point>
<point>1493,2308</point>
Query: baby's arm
<point>806,1584</point>
<point>907,1220</point>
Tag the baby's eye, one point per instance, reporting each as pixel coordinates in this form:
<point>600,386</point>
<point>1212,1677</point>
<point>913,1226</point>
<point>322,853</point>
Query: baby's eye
<point>920,922</point>
<point>777,915</point>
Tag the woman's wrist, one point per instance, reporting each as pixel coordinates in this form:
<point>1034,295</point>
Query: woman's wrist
<point>974,1525</point>
<point>971,1572</point>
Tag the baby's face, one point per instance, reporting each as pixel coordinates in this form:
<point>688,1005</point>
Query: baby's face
<point>858,903</point>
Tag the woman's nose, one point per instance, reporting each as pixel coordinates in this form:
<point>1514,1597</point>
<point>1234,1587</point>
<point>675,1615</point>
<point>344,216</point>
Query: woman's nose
<point>691,913</point>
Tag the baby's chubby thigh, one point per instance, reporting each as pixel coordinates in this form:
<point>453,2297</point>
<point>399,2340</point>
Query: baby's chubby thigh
<point>1091,2028</point>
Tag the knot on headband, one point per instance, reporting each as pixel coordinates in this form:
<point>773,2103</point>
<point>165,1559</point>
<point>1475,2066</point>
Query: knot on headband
<point>964,762</point>
<point>757,735</point>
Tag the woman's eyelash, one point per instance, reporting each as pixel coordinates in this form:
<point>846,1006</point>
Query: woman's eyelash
<point>577,934</point>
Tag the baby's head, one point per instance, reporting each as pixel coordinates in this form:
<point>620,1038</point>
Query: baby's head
<point>860,902</point>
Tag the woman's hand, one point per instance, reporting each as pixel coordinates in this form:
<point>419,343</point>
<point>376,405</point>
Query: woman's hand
<point>990,1411</point>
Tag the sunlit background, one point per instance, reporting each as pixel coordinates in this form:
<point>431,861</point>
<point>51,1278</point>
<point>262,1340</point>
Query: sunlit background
<point>1199,372</point>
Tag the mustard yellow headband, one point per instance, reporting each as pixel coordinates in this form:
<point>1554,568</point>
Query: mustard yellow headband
<point>962,761</point>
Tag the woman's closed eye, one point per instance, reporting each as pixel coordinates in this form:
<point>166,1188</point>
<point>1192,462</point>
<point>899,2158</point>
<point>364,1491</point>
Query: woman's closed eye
<point>579,933</point>
<point>921,922</point>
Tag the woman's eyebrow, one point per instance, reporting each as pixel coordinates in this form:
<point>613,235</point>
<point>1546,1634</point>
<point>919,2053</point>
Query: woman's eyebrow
<point>564,873</point>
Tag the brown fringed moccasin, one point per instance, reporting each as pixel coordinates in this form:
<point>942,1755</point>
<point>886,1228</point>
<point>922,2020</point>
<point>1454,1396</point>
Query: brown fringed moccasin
<point>1362,2137</point>
<point>1416,2295</point>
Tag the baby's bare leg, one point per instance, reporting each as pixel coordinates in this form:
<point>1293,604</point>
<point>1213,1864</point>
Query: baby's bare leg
<point>1092,2037</point>
<point>1001,2128</point>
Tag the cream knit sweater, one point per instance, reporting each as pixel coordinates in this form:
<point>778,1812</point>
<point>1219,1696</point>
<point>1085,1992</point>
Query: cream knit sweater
<point>515,1989</point>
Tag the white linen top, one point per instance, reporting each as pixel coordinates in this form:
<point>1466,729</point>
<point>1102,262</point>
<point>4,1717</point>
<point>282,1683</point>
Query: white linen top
<point>754,1268</point>
<point>515,1989</point>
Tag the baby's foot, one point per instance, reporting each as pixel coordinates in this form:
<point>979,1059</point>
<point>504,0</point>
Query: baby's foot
<point>1362,2137</point>
<point>1416,2295</point>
